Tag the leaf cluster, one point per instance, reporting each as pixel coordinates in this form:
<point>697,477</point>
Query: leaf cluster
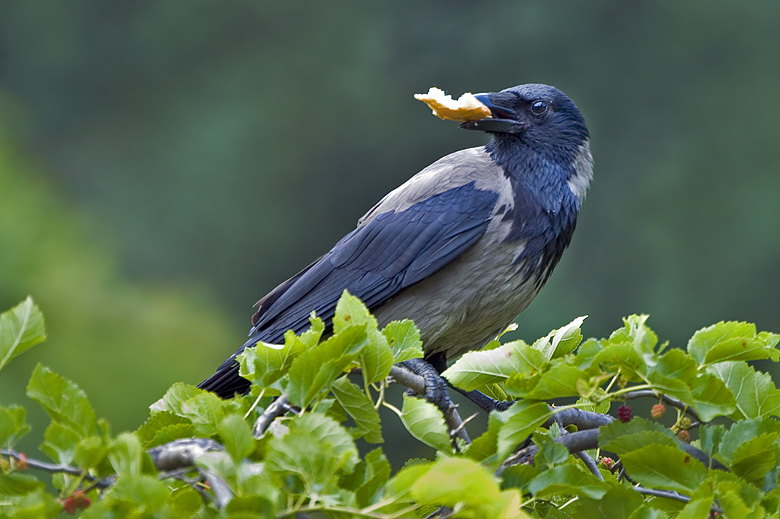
<point>332,383</point>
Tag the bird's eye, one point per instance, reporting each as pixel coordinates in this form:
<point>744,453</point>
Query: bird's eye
<point>539,107</point>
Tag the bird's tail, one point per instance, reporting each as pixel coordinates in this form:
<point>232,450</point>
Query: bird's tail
<point>226,382</point>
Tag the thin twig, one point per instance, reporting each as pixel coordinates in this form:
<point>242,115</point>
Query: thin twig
<point>52,467</point>
<point>647,393</point>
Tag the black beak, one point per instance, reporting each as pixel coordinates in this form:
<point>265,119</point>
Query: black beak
<point>504,120</point>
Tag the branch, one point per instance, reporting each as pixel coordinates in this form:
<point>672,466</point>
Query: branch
<point>644,393</point>
<point>278,407</point>
<point>54,468</point>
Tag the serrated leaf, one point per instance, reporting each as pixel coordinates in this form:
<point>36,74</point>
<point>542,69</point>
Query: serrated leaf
<point>732,341</point>
<point>376,358</point>
<point>624,356</point>
<point>125,455</point>
<point>90,452</point>
<point>264,364</point>
<point>147,494</point>
<point>755,393</point>
<point>312,371</point>
<point>403,338</point>
<point>377,474</point>
<point>561,341</point>
<point>625,437</point>
<point>350,311</point>
<point>519,476</point>
<point>637,333</point>
<point>550,453</point>
<point>521,420</point>
<point>478,368</point>
<point>710,437</point>
<point>316,449</point>
<point>618,503</point>
<point>742,432</point>
<point>236,436</point>
<point>21,328</point>
<point>155,423</point>
<point>557,382</point>
<point>63,401</point>
<point>455,481</point>
<point>360,408</point>
<point>711,397</point>
<point>13,425</point>
<point>425,422</point>
<point>486,445</point>
<point>18,484</point>
<point>173,400</point>
<point>205,410</point>
<point>665,467</point>
<point>755,457</point>
<point>567,479</point>
<point>399,488</point>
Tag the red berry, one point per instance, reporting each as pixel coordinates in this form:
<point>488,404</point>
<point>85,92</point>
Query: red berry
<point>76,502</point>
<point>684,436</point>
<point>657,411</point>
<point>607,463</point>
<point>624,413</point>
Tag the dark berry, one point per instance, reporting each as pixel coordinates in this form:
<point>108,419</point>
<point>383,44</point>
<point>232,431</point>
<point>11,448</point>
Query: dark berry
<point>624,413</point>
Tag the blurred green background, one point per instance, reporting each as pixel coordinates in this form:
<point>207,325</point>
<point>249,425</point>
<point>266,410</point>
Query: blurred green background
<point>164,164</point>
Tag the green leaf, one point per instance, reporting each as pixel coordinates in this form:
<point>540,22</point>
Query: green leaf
<point>732,341</point>
<point>455,481</point>
<point>742,432</point>
<point>377,474</point>
<point>360,408</point>
<point>266,363</point>
<point>754,458</point>
<point>13,425</point>
<point>637,333</point>
<point>755,393</point>
<point>485,445</point>
<point>426,423</point>
<point>699,505</point>
<point>316,449</point>
<point>63,401</point>
<point>622,355</point>
<point>710,437</point>
<point>350,311</point>
<point>314,370</point>
<point>90,452</point>
<point>562,341</point>
<point>622,437</point>
<point>156,423</point>
<point>21,328</point>
<point>236,436</point>
<point>557,382</point>
<point>399,487</point>
<point>521,420</point>
<point>18,484</point>
<point>618,503</point>
<point>59,443</point>
<point>376,358</point>
<point>145,494</point>
<point>173,400</point>
<point>567,479</point>
<point>550,453</point>
<point>403,337</point>
<point>125,455</point>
<point>519,476</point>
<point>662,466</point>
<point>478,368</point>
<point>711,397</point>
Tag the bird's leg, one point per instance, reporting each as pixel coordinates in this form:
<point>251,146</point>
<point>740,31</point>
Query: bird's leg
<point>484,402</point>
<point>435,386</point>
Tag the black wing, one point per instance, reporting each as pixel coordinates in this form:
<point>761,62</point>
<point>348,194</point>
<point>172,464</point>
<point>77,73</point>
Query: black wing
<point>374,262</point>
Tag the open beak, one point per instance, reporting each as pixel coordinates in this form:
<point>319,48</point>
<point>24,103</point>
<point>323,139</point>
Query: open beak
<point>503,120</point>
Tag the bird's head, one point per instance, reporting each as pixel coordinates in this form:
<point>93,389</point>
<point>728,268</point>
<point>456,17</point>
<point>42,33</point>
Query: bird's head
<point>537,116</point>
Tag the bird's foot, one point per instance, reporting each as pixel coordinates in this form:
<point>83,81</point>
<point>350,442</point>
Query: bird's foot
<point>435,386</point>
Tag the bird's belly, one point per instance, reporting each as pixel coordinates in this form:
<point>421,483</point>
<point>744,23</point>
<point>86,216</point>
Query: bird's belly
<point>467,303</point>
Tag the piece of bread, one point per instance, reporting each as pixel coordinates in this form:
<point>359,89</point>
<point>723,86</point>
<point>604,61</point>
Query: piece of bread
<point>466,108</point>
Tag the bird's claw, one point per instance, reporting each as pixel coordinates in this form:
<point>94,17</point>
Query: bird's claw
<point>435,386</point>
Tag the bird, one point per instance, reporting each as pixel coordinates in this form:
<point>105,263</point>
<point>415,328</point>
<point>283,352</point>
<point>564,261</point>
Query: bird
<point>462,247</point>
